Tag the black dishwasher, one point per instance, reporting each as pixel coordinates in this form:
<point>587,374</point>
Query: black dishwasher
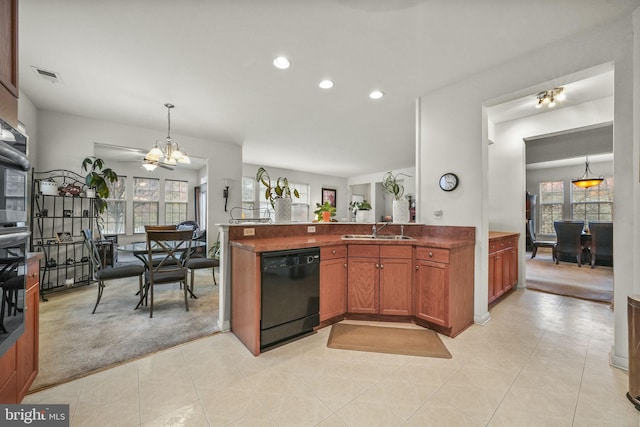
<point>290,295</point>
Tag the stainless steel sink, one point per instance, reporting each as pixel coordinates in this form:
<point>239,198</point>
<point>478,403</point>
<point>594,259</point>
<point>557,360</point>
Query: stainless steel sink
<point>378,237</point>
<point>393,237</point>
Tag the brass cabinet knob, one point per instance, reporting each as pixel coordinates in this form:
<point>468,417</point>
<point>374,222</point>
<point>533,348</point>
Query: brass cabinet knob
<point>430,254</point>
<point>417,267</point>
<point>333,252</point>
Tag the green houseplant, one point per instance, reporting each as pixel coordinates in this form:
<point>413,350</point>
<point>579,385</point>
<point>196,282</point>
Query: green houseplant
<point>278,194</point>
<point>400,206</point>
<point>98,177</point>
<point>390,185</point>
<point>321,209</point>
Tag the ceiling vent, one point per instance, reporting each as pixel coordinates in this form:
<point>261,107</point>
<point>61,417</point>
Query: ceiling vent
<point>50,76</point>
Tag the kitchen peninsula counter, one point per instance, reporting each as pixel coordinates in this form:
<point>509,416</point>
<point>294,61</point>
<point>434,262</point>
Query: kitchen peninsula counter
<point>427,280</point>
<point>276,237</point>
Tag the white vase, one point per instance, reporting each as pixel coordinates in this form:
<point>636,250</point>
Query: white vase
<point>282,207</point>
<point>90,192</point>
<point>363,216</point>
<point>401,211</point>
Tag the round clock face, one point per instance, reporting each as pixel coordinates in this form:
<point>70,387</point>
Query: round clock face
<point>449,181</point>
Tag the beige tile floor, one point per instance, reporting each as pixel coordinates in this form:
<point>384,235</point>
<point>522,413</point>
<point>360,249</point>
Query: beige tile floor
<point>542,360</point>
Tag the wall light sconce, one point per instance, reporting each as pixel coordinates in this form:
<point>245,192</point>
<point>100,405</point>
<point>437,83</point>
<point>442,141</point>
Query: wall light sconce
<point>225,193</point>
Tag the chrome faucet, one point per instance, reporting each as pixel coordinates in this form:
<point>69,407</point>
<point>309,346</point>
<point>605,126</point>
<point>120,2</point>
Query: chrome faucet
<point>402,230</point>
<point>374,230</point>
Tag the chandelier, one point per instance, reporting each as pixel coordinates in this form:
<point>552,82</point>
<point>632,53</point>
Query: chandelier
<point>549,97</point>
<point>167,153</point>
<point>587,180</point>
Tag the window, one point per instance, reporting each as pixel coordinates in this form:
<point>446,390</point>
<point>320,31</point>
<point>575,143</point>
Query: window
<point>175,197</point>
<point>248,193</point>
<point>551,203</point>
<point>145,203</point>
<point>299,206</point>
<point>113,218</point>
<point>593,204</point>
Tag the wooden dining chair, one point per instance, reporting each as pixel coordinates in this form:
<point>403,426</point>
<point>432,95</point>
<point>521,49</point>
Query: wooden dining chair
<point>103,274</point>
<point>568,240</point>
<point>167,247</point>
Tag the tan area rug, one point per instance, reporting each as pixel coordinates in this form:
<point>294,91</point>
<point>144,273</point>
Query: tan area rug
<point>75,343</point>
<point>542,274</point>
<point>377,339</point>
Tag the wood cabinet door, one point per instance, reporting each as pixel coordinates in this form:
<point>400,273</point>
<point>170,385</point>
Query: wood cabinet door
<point>363,294</point>
<point>27,344</point>
<point>432,292</point>
<point>492,277</point>
<point>513,266</point>
<point>499,274</point>
<point>333,288</point>
<point>395,286</point>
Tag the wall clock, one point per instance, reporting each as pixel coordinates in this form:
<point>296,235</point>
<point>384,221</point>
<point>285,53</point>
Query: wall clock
<point>449,181</point>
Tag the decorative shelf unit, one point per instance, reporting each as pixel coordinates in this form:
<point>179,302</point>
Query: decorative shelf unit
<point>57,219</point>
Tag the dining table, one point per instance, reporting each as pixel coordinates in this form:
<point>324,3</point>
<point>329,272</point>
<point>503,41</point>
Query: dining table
<point>140,251</point>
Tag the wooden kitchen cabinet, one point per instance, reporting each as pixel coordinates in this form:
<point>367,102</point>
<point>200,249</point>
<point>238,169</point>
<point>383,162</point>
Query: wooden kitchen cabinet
<point>9,61</point>
<point>444,288</point>
<point>19,365</point>
<point>379,279</point>
<point>333,282</point>
<point>503,263</point>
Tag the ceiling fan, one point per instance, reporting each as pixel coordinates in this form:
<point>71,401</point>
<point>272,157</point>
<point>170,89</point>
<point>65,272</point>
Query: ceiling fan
<point>154,164</point>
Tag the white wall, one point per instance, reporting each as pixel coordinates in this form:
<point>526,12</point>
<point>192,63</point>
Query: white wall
<point>453,136</point>
<point>382,202</point>
<point>64,140</point>
<point>316,184</point>
<point>28,115</point>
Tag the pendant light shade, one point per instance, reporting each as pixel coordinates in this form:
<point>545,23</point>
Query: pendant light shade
<point>587,180</point>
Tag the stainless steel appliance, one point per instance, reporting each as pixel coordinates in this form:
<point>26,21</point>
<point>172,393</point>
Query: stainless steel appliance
<point>14,233</point>
<point>290,295</point>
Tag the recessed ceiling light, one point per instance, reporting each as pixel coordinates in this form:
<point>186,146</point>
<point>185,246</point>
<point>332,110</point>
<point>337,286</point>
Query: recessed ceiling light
<point>376,94</point>
<point>281,62</point>
<point>326,84</point>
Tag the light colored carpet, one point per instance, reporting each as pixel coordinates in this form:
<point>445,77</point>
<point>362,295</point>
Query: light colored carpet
<point>566,278</point>
<point>74,342</point>
<point>379,339</point>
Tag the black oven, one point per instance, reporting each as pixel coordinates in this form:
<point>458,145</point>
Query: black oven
<point>14,233</point>
<point>14,167</point>
<point>13,264</point>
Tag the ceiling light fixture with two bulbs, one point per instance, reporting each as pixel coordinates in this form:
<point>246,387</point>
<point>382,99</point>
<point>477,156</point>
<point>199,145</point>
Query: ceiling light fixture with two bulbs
<point>550,97</point>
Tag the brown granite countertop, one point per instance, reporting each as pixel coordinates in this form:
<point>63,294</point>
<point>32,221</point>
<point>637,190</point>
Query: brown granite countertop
<point>500,234</point>
<point>269,244</point>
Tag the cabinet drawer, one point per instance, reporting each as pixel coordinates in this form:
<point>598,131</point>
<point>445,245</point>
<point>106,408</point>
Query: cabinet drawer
<point>433,254</point>
<point>395,251</point>
<point>367,251</point>
<point>332,252</point>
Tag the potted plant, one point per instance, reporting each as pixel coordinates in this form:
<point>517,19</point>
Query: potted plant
<point>400,206</point>
<point>362,211</point>
<point>278,194</point>
<point>98,177</point>
<point>324,212</point>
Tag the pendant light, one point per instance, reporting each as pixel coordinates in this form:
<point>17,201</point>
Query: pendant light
<point>170,152</point>
<point>587,180</point>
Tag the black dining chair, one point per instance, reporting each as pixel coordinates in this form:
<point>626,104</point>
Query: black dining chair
<point>164,252</point>
<point>601,241</point>
<point>103,274</point>
<point>537,243</point>
<point>568,240</point>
